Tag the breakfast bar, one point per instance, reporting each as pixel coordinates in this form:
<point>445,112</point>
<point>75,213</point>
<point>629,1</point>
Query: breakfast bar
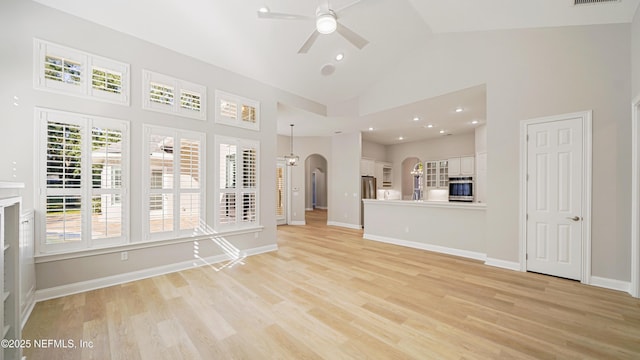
<point>446,227</point>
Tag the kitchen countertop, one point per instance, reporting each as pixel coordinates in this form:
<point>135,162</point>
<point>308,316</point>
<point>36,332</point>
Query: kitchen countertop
<point>425,203</point>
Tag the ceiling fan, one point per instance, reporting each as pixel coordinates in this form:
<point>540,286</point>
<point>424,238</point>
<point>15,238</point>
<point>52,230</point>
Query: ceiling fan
<point>326,23</point>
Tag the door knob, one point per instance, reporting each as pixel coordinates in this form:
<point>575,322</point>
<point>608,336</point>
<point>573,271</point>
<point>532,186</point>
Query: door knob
<point>575,218</point>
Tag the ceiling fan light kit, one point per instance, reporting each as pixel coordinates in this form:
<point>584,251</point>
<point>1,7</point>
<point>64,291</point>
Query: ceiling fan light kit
<point>326,23</point>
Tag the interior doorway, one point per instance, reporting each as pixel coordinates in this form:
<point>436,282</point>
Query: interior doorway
<point>316,183</point>
<point>407,185</point>
<point>556,195</point>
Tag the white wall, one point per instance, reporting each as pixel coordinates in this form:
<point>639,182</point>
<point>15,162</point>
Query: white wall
<point>635,54</point>
<point>374,151</point>
<point>344,180</point>
<point>20,22</point>
<point>531,73</point>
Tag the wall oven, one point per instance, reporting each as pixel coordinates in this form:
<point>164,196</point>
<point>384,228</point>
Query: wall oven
<point>461,189</point>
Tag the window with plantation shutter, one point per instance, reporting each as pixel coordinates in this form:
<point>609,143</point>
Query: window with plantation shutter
<point>237,183</point>
<point>237,111</point>
<point>74,72</point>
<point>161,94</point>
<point>106,80</point>
<point>167,94</point>
<point>173,182</point>
<point>83,181</point>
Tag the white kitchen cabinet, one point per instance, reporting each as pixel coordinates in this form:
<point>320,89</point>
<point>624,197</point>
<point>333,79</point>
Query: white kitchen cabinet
<point>436,174</point>
<point>461,166</point>
<point>9,265</point>
<point>367,167</point>
<point>454,166</point>
<point>466,165</point>
<point>27,265</point>
<point>384,175</point>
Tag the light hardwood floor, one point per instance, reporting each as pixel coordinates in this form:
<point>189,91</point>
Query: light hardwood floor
<point>329,294</point>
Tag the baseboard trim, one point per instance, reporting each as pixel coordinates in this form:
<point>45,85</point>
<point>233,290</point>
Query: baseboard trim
<point>422,246</point>
<point>611,284</point>
<point>298,223</point>
<point>74,288</point>
<point>503,264</point>
<point>308,209</point>
<point>344,225</point>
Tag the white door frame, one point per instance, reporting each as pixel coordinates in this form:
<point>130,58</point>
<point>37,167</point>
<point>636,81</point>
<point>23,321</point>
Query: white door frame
<point>586,194</point>
<point>635,198</point>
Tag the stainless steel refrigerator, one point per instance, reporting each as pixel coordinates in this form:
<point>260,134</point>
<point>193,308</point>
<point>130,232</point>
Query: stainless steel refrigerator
<point>368,191</point>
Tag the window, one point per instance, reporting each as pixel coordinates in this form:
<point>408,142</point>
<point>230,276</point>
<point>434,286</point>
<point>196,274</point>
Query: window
<point>173,182</point>
<point>237,111</point>
<point>237,183</point>
<point>74,72</point>
<point>83,180</point>
<point>173,96</point>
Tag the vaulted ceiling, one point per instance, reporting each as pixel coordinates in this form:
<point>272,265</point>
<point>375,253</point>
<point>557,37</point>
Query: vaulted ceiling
<point>230,35</point>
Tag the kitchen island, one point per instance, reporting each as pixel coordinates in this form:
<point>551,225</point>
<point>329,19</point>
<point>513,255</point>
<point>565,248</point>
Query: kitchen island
<point>454,228</point>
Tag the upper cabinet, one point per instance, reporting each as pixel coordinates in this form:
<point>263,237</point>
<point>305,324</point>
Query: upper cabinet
<point>367,167</point>
<point>384,174</point>
<point>436,174</point>
<point>461,166</point>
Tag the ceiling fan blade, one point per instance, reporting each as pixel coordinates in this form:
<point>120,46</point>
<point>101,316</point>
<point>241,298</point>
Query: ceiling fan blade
<point>281,16</point>
<point>355,39</point>
<point>309,43</point>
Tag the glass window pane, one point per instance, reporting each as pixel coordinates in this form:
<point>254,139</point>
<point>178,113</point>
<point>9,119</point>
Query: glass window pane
<point>64,155</point>
<point>64,219</point>
<point>189,211</point>
<point>227,208</point>
<point>106,217</point>
<point>160,213</point>
<point>189,164</point>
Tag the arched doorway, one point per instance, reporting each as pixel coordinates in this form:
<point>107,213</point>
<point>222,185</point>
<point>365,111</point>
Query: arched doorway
<point>406,178</point>
<point>316,183</point>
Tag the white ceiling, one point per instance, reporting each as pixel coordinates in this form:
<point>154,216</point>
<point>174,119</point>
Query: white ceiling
<point>228,34</point>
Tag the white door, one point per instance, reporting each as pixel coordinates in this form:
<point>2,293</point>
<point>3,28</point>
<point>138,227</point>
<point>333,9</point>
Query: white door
<point>555,186</point>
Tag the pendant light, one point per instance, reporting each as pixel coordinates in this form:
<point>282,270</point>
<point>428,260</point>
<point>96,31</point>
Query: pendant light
<point>291,160</point>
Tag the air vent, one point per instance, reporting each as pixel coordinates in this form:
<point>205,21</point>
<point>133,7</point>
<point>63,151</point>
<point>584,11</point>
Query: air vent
<point>589,2</point>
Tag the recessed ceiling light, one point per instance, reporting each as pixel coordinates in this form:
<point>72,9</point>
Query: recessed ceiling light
<point>441,131</point>
<point>401,138</point>
<point>416,119</point>
<point>430,126</point>
<point>339,57</point>
<point>370,129</point>
<point>458,109</point>
<point>264,9</point>
<point>474,122</point>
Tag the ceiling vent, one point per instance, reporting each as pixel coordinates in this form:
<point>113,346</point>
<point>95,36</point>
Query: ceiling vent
<point>589,2</point>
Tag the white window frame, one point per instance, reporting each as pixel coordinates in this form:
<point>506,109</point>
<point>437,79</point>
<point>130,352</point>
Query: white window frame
<point>88,63</point>
<point>180,88</point>
<point>176,190</point>
<point>86,191</point>
<point>239,101</point>
<point>239,190</point>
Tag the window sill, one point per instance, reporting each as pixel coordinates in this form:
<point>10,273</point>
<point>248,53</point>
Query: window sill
<point>50,257</point>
